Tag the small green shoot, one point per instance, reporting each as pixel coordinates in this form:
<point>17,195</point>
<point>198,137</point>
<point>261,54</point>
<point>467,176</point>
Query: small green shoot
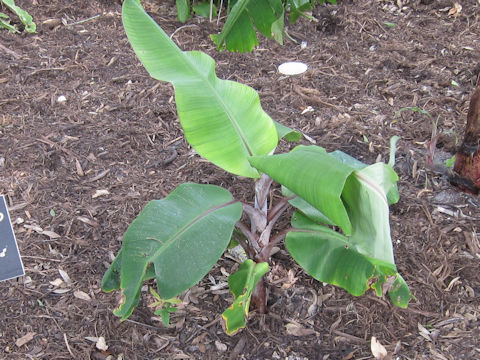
<point>5,23</point>
<point>52,213</point>
<point>450,162</point>
<point>24,17</point>
<point>414,109</point>
<point>389,24</point>
<point>163,307</point>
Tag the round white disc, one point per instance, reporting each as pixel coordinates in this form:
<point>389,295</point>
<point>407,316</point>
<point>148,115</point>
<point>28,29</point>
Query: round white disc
<point>292,68</point>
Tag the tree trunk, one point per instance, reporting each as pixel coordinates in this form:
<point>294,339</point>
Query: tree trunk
<point>467,163</point>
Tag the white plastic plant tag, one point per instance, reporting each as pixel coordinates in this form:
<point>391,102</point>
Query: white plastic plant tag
<point>292,68</point>
<point>10,262</point>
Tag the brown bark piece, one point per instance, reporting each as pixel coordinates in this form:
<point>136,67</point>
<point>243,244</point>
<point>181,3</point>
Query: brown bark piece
<point>467,163</point>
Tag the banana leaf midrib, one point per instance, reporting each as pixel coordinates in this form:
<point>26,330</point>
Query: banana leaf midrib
<point>184,229</point>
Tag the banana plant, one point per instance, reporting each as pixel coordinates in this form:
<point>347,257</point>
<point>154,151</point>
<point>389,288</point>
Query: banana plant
<point>339,233</point>
<point>247,17</point>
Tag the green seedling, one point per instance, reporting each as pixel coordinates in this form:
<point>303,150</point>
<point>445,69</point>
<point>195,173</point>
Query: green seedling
<point>163,307</point>
<point>450,162</point>
<point>339,232</point>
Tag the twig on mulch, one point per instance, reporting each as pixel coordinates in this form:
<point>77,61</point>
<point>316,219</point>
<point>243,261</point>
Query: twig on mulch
<point>56,146</point>
<point>313,95</point>
<point>42,70</point>
<point>10,52</point>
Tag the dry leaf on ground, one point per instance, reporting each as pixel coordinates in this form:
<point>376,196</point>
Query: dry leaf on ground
<point>25,339</point>
<point>298,330</point>
<point>378,350</point>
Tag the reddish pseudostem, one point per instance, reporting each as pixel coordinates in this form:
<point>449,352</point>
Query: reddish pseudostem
<point>467,163</point>
<point>259,242</point>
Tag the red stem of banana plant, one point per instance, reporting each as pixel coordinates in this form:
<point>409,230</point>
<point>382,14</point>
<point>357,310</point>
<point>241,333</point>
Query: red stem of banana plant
<point>467,162</point>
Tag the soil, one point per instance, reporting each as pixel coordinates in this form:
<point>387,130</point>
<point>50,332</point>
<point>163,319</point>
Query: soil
<point>367,61</point>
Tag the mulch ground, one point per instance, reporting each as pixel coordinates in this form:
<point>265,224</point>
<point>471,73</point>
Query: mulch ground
<point>367,60</point>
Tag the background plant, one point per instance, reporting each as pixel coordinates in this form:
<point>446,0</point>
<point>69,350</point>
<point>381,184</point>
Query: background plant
<point>339,233</point>
<point>23,16</point>
<point>245,17</point>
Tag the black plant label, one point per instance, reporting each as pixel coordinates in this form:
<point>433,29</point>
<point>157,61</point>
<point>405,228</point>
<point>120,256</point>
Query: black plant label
<point>10,262</point>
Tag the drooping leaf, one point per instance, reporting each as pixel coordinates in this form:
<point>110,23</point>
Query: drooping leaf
<point>331,257</point>
<point>238,33</point>
<point>315,176</point>
<point>222,120</point>
<point>363,259</point>
<point>182,236</point>
<point>183,10</point>
<point>111,278</point>
<point>365,198</point>
<point>242,283</point>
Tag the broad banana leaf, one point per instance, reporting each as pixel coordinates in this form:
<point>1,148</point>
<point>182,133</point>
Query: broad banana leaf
<point>364,259</point>
<point>222,120</point>
<point>315,176</point>
<point>178,239</point>
<point>331,257</point>
<point>242,283</point>
<point>238,33</point>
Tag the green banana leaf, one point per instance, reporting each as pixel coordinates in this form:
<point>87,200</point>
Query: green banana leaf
<point>222,120</point>
<point>203,9</point>
<point>180,238</point>
<point>242,283</point>
<point>287,133</point>
<point>315,176</point>
<point>365,198</point>
<point>331,257</point>
<point>23,15</point>
<point>183,10</point>
<point>305,208</point>
<point>238,33</point>
<point>299,8</point>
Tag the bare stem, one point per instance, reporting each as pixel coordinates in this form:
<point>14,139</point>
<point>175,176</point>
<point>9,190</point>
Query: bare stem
<point>259,297</point>
<point>262,187</point>
<point>245,246</point>
<point>251,237</point>
<point>258,219</point>
<point>279,207</point>
<point>265,253</point>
